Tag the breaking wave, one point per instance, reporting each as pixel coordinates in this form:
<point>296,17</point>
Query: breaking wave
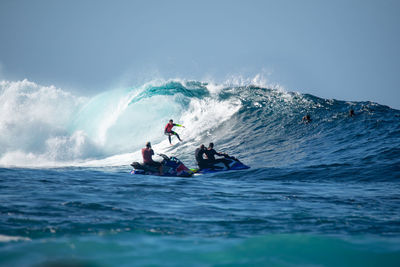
<point>46,126</point>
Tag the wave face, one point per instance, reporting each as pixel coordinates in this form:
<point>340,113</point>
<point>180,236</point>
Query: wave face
<point>46,126</point>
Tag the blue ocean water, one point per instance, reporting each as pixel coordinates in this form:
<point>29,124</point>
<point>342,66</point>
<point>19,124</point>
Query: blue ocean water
<point>325,193</point>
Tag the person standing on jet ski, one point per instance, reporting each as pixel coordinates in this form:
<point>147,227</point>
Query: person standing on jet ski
<point>210,153</point>
<point>147,154</point>
<point>168,130</point>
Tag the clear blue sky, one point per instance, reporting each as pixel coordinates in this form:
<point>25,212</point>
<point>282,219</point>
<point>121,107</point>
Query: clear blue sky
<point>347,50</point>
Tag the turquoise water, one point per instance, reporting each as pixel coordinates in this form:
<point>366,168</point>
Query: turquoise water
<point>319,194</point>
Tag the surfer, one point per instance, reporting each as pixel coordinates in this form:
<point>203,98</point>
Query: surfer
<point>168,130</point>
<point>199,154</point>
<point>306,118</point>
<point>147,154</point>
<point>210,153</point>
<point>351,113</point>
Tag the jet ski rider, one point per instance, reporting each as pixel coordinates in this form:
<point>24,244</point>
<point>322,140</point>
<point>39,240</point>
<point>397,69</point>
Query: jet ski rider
<point>199,154</point>
<point>147,154</point>
<point>210,160</point>
<point>210,153</point>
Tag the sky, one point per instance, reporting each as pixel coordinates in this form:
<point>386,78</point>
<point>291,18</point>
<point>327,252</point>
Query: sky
<point>346,50</point>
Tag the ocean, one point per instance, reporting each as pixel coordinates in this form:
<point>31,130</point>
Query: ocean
<point>324,193</point>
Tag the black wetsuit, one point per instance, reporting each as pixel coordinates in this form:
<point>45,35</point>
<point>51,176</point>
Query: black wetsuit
<point>211,157</point>
<point>203,163</point>
<point>211,154</point>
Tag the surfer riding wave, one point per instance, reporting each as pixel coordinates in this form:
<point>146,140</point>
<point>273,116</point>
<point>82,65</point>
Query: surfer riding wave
<point>168,130</point>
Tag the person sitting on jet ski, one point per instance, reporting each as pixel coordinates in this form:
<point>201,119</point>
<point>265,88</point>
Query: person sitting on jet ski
<point>147,154</point>
<point>199,154</point>
<point>210,153</point>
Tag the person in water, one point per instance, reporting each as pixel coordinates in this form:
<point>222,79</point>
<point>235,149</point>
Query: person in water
<point>199,154</point>
<point>147,154</point>
<point>168,130</point>
<point>210,153</point>
<point>351,113</point>
<point>306,119</point>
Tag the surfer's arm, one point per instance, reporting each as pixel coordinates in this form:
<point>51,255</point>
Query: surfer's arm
<point>179,125</point>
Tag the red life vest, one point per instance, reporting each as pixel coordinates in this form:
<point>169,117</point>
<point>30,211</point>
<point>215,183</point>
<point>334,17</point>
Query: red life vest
<point>168,127</point>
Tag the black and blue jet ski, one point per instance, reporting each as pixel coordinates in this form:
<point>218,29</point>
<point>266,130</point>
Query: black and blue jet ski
<point>172,166</point>
<point>225,164</point>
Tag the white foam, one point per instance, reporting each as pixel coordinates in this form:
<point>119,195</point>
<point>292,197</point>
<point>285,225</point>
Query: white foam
<point>207,114</point>
<point>33,121</point>
<point>6,238</point>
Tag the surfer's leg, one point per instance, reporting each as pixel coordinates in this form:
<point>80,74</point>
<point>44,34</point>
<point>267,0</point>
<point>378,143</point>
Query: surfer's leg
<point>177,135</point>
<point>169,138</point>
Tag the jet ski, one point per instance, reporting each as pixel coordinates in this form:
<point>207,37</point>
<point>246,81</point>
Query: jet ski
<point>172,166</point>
<point>231,163</point>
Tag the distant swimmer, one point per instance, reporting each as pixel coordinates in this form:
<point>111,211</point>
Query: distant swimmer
<point>306,118</point>
<point>351,113</point>
<point>210,153</point>
<point>168,130</point>
<point>147,154</point>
